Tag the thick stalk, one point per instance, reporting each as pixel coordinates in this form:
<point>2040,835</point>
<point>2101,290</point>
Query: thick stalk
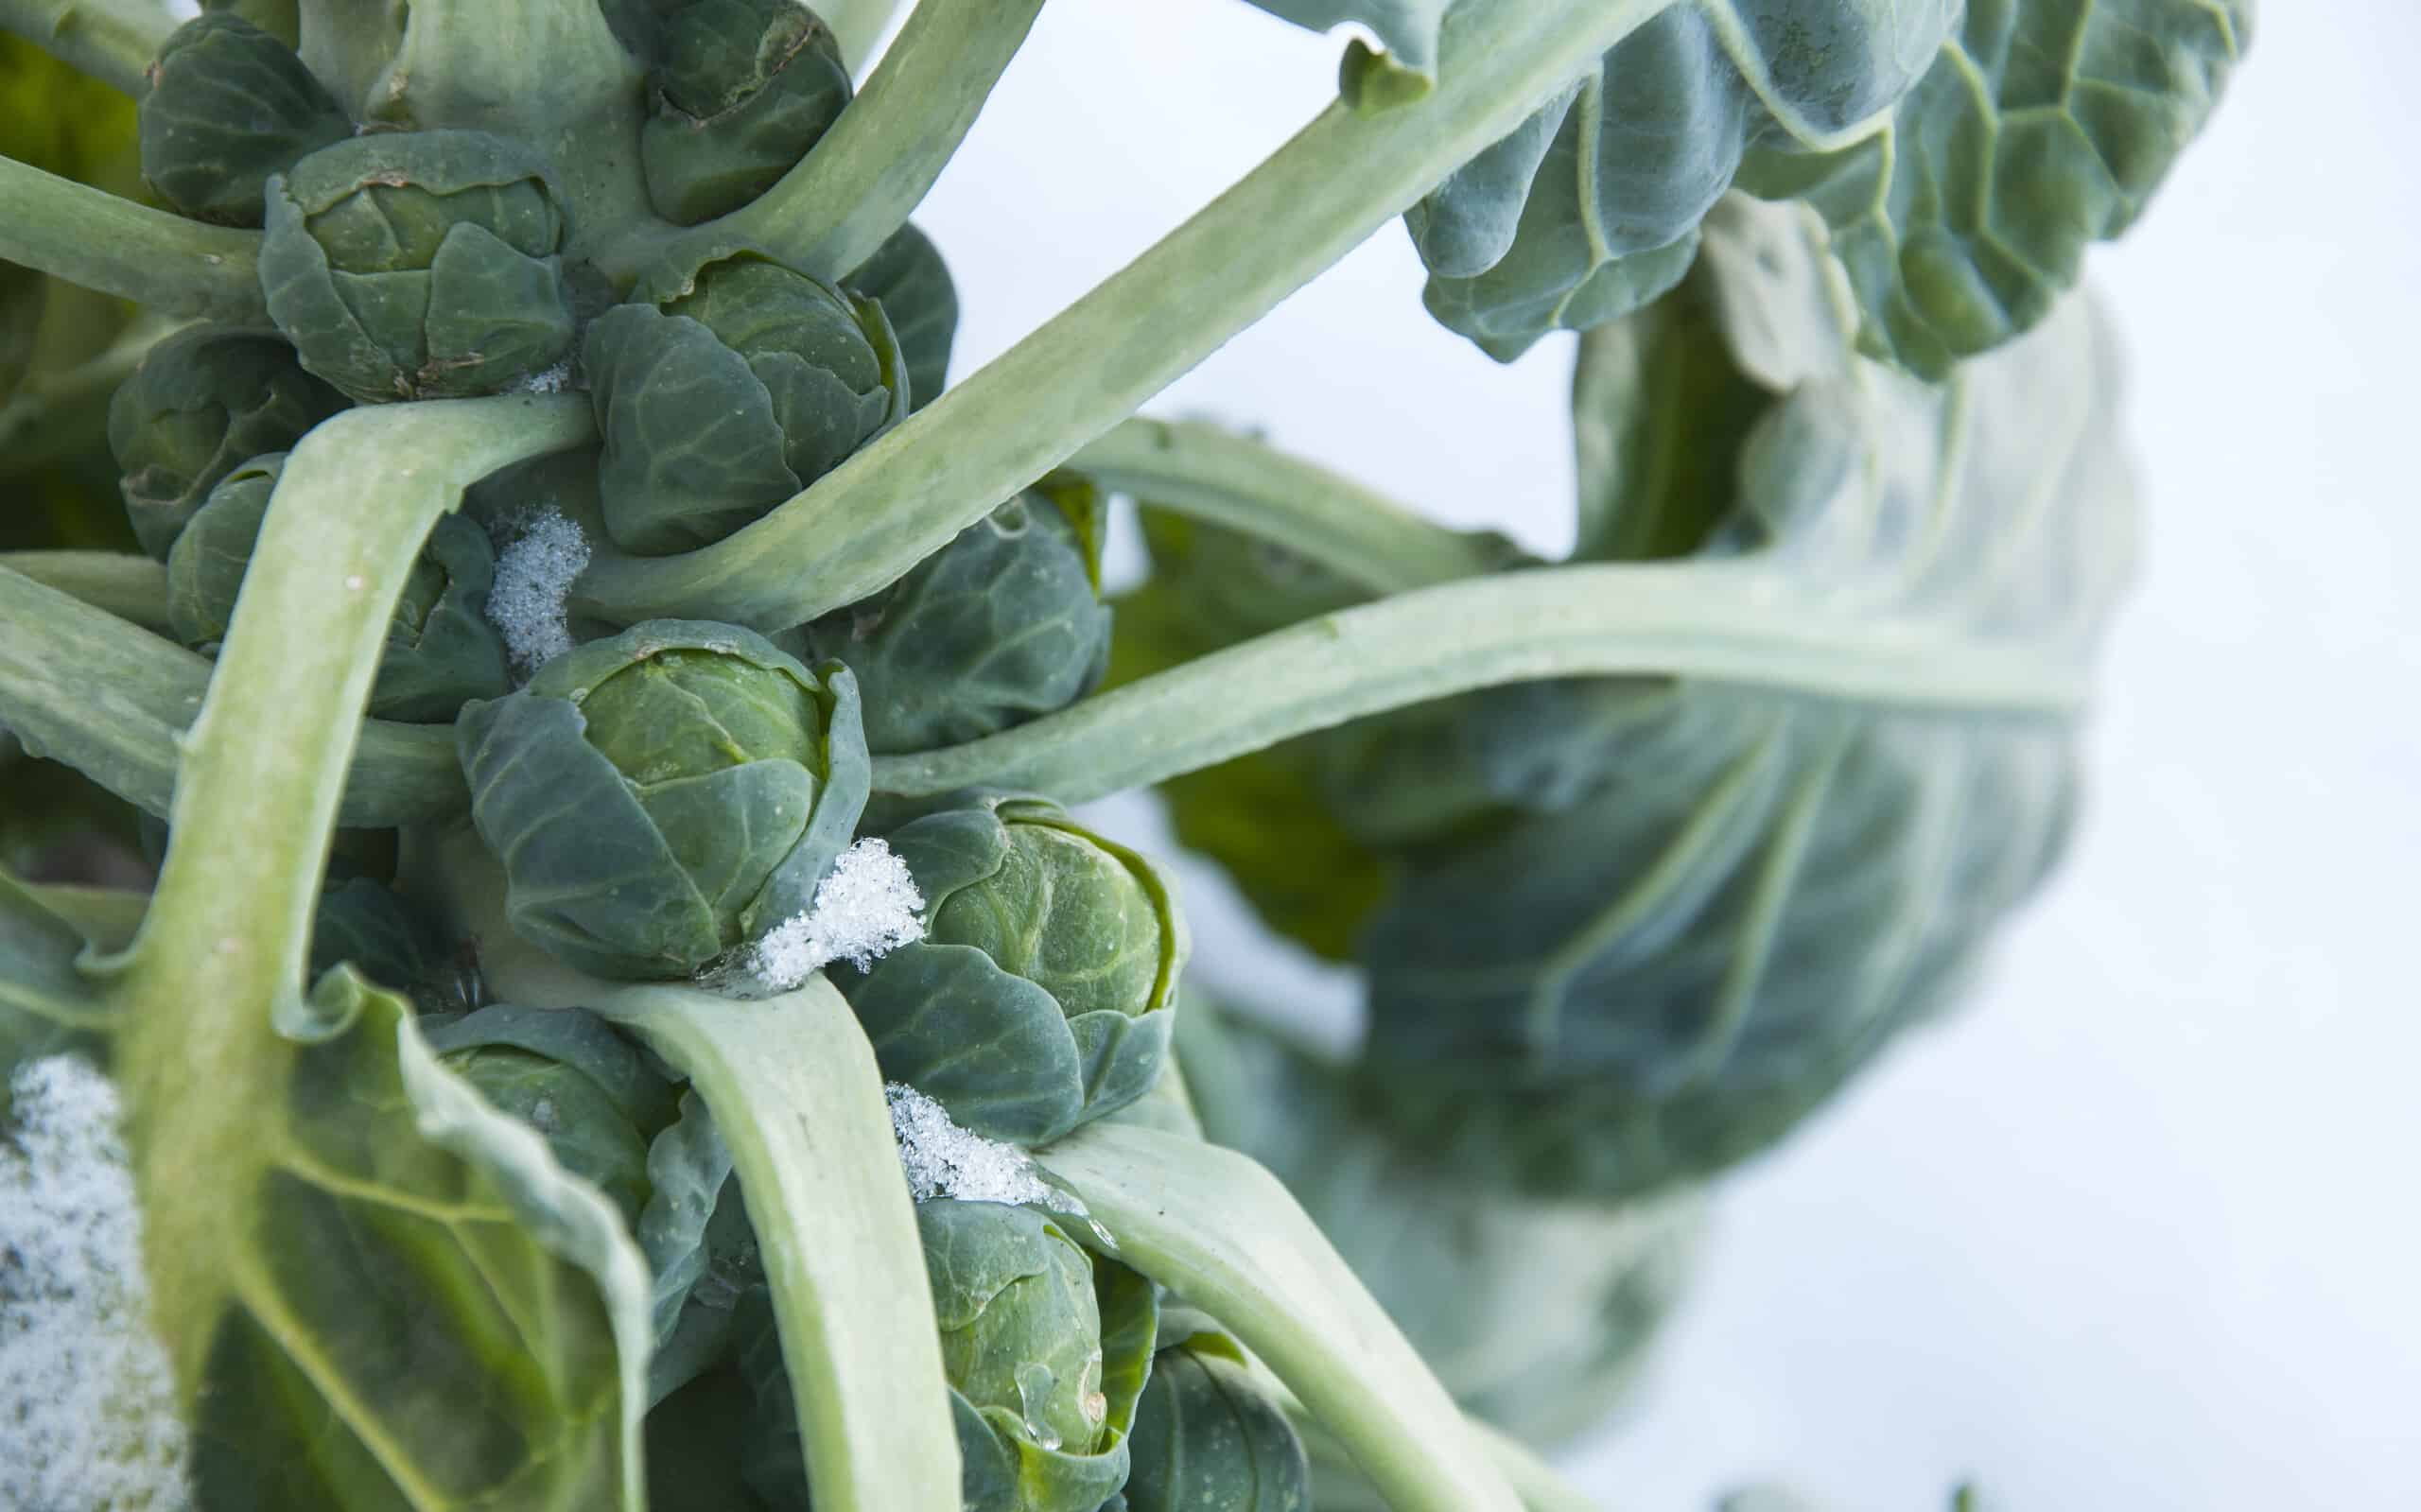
<point>1233,480</point>
<point>1214,1226</point>
<point>220,958</point>
<point>1316,199</point>
<point>795,1090</point>
<point>89,237</point>
<point>1724,622</point>
<point>114,41</point>
<point>86,687</point>
<point>859,183</point>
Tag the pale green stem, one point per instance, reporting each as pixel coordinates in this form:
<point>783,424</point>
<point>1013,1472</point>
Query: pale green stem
<point>1536,1482</point>
<point>83,687</point>
<point>54,413</point>
<point>1727,622</point>
<point>1231,480</point>
<point>222,954</point>
<point>1341,177</point>
<point>859,183</point>
<point>114,41</point>
<point>1214,1226</point>
<point>89,237</point>
<point>795,1090</point>
<point>134,588</point>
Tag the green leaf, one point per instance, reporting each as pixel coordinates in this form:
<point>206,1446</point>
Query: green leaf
<point>1535,1312</point>
<point>2044,125</point>
<point>999,626</point>
<point>744,89</point>
<point>907,277</point>
<point>1966,156</point>
<point>1405,67</point>
<point>392,1205</point>
<point>1686,928</point>
<point>229,106</point>
<point>47,936</point>
<point>1208,1438</point>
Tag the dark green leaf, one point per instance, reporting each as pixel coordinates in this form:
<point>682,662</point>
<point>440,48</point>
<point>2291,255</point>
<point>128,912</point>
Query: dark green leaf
<point>907,276</point>
<point>229,105</point>
<point>743,89</point>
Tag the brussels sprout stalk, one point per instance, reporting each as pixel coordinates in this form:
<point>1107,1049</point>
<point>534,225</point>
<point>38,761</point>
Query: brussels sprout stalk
<point>134,588</point>
<point>800,1100</point>
<point>218,969</point>
<point>857,185</point>
<point>114,41</point>
<point>91,238</point>
<point>1348,529</point>
<point>895,503</point>
<point>1221,1230</point>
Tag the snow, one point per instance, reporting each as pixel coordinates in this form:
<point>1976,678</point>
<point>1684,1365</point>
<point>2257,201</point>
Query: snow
<point>865,907</point>
<point>87,1407</point>
<point>944,1160</point>
<point>547,380</point>
<point>533,578</point>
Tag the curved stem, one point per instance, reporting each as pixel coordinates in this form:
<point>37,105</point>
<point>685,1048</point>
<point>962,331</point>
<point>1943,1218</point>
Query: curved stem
<point>1342,177</point>
<point>54,413</point>
<point>83,687</point>
<point>1536,1482</point>
<point>1726,623</point>
<point>89,236</point>
<point>134,588</point>
<point>793,1085</point>
<point>219,960</point>
<point>1242,484</point>
<point>1216,1226</point>
<point>114,41</point>
<point>859,183</point>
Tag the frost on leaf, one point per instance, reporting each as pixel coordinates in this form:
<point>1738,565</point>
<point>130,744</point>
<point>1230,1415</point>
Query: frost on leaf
<point>547,380</point>
<point>865,907</point>
<point>945,1161</point>
<point>533,578</point>
<point>87,1408</point>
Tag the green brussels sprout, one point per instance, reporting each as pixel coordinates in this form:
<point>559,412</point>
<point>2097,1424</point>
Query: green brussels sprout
<point>1046,1349</point>
<point>1004,623</point>
<point>362,923</point>
<point>440,651</point>
<point>734,393</point>
<point>1208,1438</point>
<point>205,401</point>
<point>567,1074</point>
<point>743,88</point>
<point>663,795</point>
<point>419,265</point>
<point>907,277</point>
<point>229,105</point>
<point>1035,1001</point>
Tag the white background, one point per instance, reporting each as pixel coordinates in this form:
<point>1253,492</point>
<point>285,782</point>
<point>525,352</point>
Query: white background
<point>2138,1230</point>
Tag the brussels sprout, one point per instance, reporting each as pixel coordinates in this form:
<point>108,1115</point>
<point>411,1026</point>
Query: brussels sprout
<point>204,401</point>
<point>1208,1438</point>
<point>907,277</point>
<point>1004,623</point>
<point>1035,1000</point>
<point>569,1075</point>
<point>440,651</point>
<point>663,795</point>
<point>743,89</point>
<point>362,923</point>
<point>229,105</point>
<point>742,389</point>
<point>1046,1349</point>
<point>419,265</point>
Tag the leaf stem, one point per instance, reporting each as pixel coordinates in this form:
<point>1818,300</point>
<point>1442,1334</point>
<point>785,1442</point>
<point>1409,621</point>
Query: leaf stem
<point>92,237</point>
<point>220,961</point>
<point>83,687</point>
<point>1215,1225</point>
<point>134,588</point>
<point>859,183</point>
<point>793,1085</point>
<point>868,521</point>
<point>113,41</point>
<point>1240,483</point>
<point>1715,620</point>
<point>54,413</point>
